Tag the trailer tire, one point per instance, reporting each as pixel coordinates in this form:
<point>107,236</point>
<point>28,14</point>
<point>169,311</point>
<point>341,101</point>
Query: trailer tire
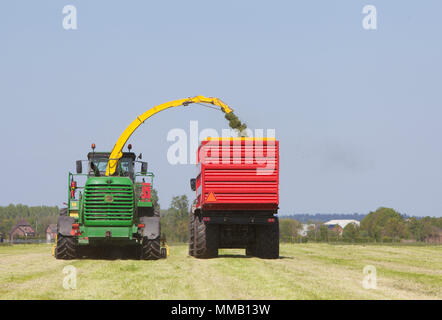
<point>206,239</point>
<point>251,243</point>
<point>267,241</point>
<point>251,251</point>
<point>192,235</point>
<point>66,248</point>
<point>150,249</point>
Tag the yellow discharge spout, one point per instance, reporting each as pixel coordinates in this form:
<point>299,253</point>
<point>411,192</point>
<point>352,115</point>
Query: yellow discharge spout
<point>117,153</point>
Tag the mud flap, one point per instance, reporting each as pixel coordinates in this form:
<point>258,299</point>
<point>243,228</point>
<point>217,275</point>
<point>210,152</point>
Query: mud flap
<point>64,225</point>
<point>151,227</point>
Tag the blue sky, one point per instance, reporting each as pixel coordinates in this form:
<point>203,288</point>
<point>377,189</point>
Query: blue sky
<point>357,112</point>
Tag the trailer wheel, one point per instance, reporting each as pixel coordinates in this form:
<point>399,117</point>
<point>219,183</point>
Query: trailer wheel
<point>191,235</point>
<point>251,250</point>
<point>251,242</point>
<point>206,239</point>
<point>267,241</point>
<point>150,249</point>
<point>66,248</point>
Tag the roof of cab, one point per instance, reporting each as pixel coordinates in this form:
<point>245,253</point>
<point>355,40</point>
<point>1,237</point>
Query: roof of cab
<point>107,154</point>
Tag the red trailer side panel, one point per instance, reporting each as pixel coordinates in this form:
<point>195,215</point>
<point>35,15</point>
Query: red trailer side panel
<point>238,174</point>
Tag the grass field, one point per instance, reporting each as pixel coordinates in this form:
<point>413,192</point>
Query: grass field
<point>304,271</point>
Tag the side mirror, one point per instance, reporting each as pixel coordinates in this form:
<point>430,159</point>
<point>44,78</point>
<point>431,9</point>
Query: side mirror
<point>140,156</point>
<point>193,184</point>
<point>143,167</point>
<point>79,166</point>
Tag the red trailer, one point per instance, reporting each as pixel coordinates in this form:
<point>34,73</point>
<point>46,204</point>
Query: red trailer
<point>237,197</point>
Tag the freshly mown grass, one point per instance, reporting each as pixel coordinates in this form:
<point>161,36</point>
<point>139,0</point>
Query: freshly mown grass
<point>304,271</point>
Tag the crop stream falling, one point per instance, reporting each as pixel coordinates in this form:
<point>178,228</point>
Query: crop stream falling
<point>236,124</point>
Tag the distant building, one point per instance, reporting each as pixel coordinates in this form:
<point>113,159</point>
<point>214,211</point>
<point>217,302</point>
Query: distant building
<point>21,229</point>
<point>339,225</point>
<point>51,232</point>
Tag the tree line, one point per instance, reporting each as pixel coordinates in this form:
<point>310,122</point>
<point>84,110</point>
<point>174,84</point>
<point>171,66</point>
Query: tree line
<point>382,225</point>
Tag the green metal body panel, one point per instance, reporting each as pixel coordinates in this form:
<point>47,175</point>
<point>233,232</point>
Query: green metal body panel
<point>108,201</point>
<point>108,208</point>
<point>144,204</point>
<point>97,235</point>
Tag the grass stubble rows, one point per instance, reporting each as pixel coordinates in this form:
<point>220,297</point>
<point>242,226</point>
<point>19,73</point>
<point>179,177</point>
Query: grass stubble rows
<point>304,271</point>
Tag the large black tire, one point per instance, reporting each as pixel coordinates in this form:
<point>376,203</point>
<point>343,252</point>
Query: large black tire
<point>267,241</point>
<point>163,253</point>
<point>206,239</point>
<point>150,249</point>
<point>192,235</point>
<point>251,245</point>
<point>251,250</point>
<point>66,248</point>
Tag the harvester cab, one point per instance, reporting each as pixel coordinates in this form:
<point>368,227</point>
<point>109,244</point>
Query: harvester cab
<point>125,167</point>
<point>97,164</point>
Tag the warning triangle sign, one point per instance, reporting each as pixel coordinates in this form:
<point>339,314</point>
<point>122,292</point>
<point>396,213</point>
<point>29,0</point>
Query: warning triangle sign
<point>211,197</point>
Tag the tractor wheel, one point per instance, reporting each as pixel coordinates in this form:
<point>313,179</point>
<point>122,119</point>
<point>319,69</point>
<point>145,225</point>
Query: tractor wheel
<point>267,241</point>
<point>63,212</point>
<point>163,253</point>
<point>150,249</point>
<point>192,235</point>
<point>206,239</point>
<point>66,248</point>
